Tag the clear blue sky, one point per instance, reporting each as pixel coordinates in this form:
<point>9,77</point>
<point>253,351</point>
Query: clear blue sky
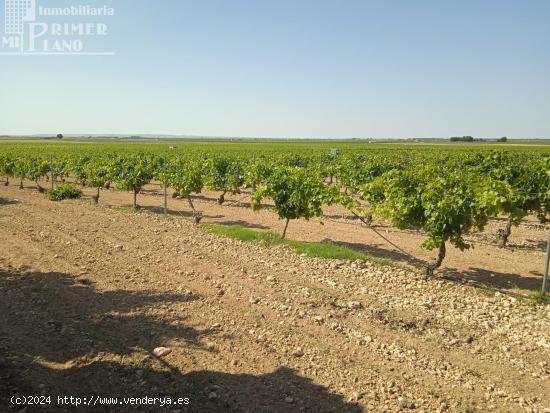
<point>300,68</point>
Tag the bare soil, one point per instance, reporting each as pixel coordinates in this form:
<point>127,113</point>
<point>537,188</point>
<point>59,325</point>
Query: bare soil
<point>88,292</point>
<point>517,268</point>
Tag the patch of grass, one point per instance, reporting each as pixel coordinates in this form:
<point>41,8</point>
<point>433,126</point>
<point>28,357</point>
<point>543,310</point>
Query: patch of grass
<point>127,209</point>
<point>540,297</point>
<point>65,191</point>
<point>245,234</point>
<point>311,249</point>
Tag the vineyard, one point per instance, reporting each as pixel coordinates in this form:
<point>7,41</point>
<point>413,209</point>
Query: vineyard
<point>276,277</point>
<point>445,194</point>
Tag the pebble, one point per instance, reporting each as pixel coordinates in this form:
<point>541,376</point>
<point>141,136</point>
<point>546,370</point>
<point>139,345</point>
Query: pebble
<point>162,351</point>
<point>298,352</point>
<point>319,319</point>
<point>406,404</point>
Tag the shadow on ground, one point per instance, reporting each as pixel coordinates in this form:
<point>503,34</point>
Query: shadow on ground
<point>378,251</point>
<point>477,277</point>
<point>186,213</point>
<point>242,223</point>
<point>59,335</point>
<point>239,200</point>
<point>496,280</point>
<point>530,244</point>
<point>5,201</point>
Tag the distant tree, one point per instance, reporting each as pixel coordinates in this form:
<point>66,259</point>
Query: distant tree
<point>503,139</point>
<point>59,136</point>
<point>462,139</point>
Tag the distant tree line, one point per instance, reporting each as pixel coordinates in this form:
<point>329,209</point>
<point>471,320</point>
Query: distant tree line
<point>472,139</point>
<point>462,139</point>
